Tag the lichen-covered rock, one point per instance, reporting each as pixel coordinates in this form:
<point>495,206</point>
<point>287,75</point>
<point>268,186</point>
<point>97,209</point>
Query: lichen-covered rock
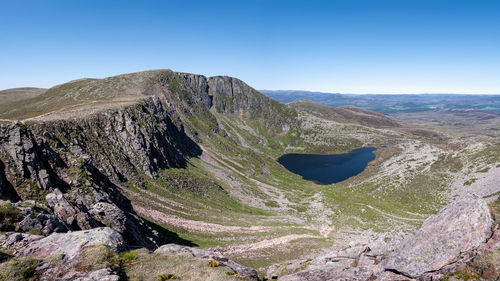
<point>44,223</point>
<point>348,274</point>
<point>71,243</point>
<point>104,274</point>
<point>207,254</point>
<point>80,255</point>
<point>451,236</point>
<point>16,240</point>
<point>67,212</point>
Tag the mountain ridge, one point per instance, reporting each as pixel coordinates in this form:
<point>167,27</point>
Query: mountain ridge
<point>166,157</point>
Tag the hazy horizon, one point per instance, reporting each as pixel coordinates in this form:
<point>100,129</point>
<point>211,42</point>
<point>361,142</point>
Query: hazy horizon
<point>341,93</point>
<point>355,47</point>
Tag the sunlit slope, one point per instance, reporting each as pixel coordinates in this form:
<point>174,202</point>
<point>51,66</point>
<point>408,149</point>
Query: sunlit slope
<point>230,192</point>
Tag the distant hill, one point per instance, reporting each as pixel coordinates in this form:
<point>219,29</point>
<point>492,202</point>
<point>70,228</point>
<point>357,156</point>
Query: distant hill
<point>389,104</point>
<point>287,96</point>
<point>345,114</point>
<point>18,94</point>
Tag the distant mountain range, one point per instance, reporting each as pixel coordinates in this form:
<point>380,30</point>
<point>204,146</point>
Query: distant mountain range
<point>388,104</point>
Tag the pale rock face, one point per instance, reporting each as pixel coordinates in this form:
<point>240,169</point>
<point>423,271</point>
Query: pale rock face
<point>451,236</point>
<point>70,247</point>
<point>104,274</point>
<point>349,274</point>
<point>447,239</point>
<point>71,243</point>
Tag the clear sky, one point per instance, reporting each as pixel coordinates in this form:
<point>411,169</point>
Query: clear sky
<point>350,46</point>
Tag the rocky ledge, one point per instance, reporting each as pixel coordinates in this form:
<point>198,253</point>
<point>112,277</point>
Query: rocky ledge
<point>460,241</point>
<point>102,254</point>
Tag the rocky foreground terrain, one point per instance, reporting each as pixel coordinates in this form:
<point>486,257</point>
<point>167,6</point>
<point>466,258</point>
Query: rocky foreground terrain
<point>161,175</point>
<point>461,241</point>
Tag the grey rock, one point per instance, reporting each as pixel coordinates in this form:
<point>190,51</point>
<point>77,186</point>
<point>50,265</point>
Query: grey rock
<point>450,237</point>
<point>42,222</point>
<point>109,215</point>
<point>71,243</point>
<point>30,223</point>
<point>16,240</point>
<point>207,254</point>
<point>104,274</point>
<point>43,176</point>
<point>58,203</point>
<point>349,274</point>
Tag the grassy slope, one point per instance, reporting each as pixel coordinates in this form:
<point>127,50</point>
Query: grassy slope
<point>83,92</point>
<point>16,95</point>
<point>237,194</point>
<point>345,114</point>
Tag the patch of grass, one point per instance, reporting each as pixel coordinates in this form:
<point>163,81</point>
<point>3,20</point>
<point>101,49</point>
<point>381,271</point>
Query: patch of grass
<point>22,269</point>
<point>272,204</point>
<point>167,276</point>
<point>99,256</point>
<point>149,267</point>
<point>128,256</point>
<point>212,263</point>
<point>7,210</point>
<point>470,181</point>
<point>465,276</point>
<point>35,232</point>
<point>484,170</point>
<point>8,216</point>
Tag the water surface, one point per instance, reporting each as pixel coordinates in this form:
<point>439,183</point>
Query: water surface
<point>330,168</point>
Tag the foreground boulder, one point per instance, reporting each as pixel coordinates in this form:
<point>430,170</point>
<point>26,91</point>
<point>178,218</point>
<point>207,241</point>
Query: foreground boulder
<point>79,255</point>
<point>445,241</point>
<point>348,274</point>
<point>99,254</point>
<point>69,244</point>
<point>448,238</point>
<point>207,254</point>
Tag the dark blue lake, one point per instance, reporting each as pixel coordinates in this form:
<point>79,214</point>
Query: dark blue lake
<point>328,169</point>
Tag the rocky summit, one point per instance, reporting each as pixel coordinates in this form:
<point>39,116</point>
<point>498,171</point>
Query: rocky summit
<point>161,175</point>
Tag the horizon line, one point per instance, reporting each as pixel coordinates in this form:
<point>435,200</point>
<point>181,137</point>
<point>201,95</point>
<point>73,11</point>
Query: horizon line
<point>344,93</point>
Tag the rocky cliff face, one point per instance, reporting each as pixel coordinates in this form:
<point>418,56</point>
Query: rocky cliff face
<point>64,169</point>
<point>73,163</point>
<point>75,168</point>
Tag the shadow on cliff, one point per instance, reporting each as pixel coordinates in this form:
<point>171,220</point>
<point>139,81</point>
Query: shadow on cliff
<point>7,191</point>
<point>171,237</point>
<point>137,230</point>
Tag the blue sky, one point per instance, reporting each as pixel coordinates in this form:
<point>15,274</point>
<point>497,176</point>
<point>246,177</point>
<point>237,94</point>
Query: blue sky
<point>351,46</point>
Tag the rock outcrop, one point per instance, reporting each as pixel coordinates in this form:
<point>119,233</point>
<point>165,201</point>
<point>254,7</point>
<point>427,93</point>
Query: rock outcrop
<point>67,256</point>
<point>44,223</point>
<point>70,244</point>
<point>95,255</point>
<point>74,163</point>
<point>207,254</point>
<point>449,239</point>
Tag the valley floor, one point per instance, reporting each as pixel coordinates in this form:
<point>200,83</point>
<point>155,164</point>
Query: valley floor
<point>285,222</point>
